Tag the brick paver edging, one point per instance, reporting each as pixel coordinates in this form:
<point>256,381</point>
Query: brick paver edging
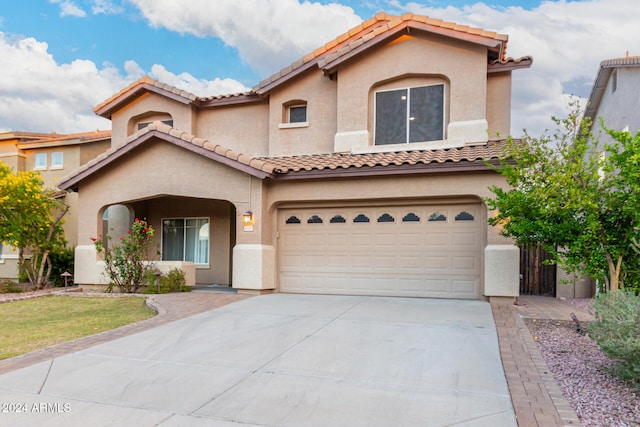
<point>170,307</point>
<point>537,399</point>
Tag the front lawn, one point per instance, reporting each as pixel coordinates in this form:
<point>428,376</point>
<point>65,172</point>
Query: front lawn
<point>32,324</point>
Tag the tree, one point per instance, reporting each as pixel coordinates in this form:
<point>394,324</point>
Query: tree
<point>580,200</point>
<point>31,221</point>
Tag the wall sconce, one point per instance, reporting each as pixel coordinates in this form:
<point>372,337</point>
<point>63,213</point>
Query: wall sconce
<point>248,220</point>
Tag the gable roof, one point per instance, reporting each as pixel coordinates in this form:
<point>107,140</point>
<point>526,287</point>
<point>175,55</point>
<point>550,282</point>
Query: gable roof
<point>379,29</point>
<point>602,78</point>
<point>302,167</point>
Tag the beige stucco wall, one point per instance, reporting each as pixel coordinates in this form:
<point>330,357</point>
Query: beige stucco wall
<point>462,65</point>
<point>146,179</point>
<point>499,104</point>
<point>145,108</point>
<point>320,94</point>
<point>243,129</point>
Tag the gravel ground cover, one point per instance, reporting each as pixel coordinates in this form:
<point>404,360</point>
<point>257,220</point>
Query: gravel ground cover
<point>599,398</point>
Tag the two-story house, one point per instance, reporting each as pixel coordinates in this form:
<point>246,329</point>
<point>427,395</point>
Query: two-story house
<point>53,156</point>
<point>358,169</point>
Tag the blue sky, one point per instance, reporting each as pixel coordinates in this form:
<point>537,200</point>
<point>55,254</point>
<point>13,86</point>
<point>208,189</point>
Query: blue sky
<point>60,58</point>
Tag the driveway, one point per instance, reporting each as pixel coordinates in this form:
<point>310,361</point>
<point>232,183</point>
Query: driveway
<point>281,360</point>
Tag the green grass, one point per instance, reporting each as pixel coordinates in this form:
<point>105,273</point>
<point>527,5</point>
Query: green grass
<point>32,324</point>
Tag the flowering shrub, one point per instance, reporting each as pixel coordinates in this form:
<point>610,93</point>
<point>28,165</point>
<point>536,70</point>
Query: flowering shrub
<point>126,261</point>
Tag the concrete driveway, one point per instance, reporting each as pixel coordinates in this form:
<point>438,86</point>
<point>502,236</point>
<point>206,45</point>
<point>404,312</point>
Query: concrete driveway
<point>281,360</point>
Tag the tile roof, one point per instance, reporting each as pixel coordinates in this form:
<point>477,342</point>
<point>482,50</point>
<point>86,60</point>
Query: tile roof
<point>370,32</point>
<point>298,167</point>
<point>602,78</point>
<point>377,28</point>
<point>335,161</point>
<point>53,139</point>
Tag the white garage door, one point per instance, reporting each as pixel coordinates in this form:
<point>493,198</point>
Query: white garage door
<point>419,251</point>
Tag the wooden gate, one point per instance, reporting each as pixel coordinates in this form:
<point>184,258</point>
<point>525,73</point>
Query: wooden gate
<point>536,278</point>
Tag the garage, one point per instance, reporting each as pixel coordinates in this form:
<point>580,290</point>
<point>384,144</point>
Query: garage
<point>410,251</point>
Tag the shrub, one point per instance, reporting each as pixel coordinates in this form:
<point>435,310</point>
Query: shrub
<point>173,281</point>
<point>617,331</point>
<point>61,261</point>
<point>126,262</point>
<point>8,286</point>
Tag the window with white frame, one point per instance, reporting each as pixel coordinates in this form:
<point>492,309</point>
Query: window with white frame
<point>57,160</point>
<point>414,114</point>
<point>40,161</point>
<point>297,113</point>
<point>186,239</point>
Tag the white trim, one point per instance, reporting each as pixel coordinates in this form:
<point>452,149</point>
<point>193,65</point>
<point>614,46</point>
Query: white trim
<point>293,125</point>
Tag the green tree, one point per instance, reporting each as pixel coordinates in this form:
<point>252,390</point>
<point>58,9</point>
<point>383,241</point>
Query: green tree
<point>580,200</point>
<point>31,221</point>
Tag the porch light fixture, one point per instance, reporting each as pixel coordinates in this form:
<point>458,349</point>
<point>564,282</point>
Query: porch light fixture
<point>248,220</point>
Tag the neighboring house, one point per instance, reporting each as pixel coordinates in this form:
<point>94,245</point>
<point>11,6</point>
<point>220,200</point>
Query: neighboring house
<point>359,169</point>
<point>53,156</point>
<point>614,100</point>
<point>614,97</point>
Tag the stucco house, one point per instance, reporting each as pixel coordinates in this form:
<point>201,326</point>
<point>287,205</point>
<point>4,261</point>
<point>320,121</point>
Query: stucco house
<point>359,169</point>
<point>614,97</point>
<point>53,155</point>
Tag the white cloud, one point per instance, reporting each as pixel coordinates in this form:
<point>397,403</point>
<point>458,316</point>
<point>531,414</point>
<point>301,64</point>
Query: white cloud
<point>196,86</point>
<point>106,7</point>
<point>69,8</point>
<point>567,39</point>
<point>267,34</point>
<point>40,95</point>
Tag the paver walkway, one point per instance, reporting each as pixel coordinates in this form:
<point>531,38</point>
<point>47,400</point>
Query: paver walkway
<point>536,396</point>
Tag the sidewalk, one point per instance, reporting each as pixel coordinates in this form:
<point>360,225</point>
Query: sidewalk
<point>537,399</point>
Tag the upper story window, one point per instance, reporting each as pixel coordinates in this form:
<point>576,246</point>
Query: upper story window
<point>143,125</point>
<point>297,114</point>
<point>41,161</point>
<point>407,115</point>
<point>57,160</point>
<point>294,114</point>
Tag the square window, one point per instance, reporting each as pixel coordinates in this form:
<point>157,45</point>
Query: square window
<point>41,161</point>
<point>186,239</point>
<point>298,114</point>
<point>57,160</point>
<point>409,115</point>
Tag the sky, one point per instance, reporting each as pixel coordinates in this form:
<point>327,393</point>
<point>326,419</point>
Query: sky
<point>61,58</point>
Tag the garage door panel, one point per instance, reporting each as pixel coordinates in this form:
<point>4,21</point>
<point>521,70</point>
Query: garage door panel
<point>406,254</point>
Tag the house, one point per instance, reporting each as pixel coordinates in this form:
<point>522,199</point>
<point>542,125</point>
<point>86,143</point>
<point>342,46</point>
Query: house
<point>614,100</point>
<point>359,169</point>
<point>614,97</point>
<point>53,156</point>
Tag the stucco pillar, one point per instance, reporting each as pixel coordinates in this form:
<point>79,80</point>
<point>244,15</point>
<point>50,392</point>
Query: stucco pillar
<point>501,271</point>
<point>254,267</point>
<point>88,271</point>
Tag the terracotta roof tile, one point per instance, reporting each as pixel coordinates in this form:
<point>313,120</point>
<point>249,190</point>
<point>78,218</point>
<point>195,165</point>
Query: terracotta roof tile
<point>318,162</point>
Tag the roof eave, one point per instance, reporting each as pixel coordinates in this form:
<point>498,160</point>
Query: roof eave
<point>510,65</point>
<point>106,110</point>
<point>330,66</point>
<point>461,166</point>
<point>73,181</point>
